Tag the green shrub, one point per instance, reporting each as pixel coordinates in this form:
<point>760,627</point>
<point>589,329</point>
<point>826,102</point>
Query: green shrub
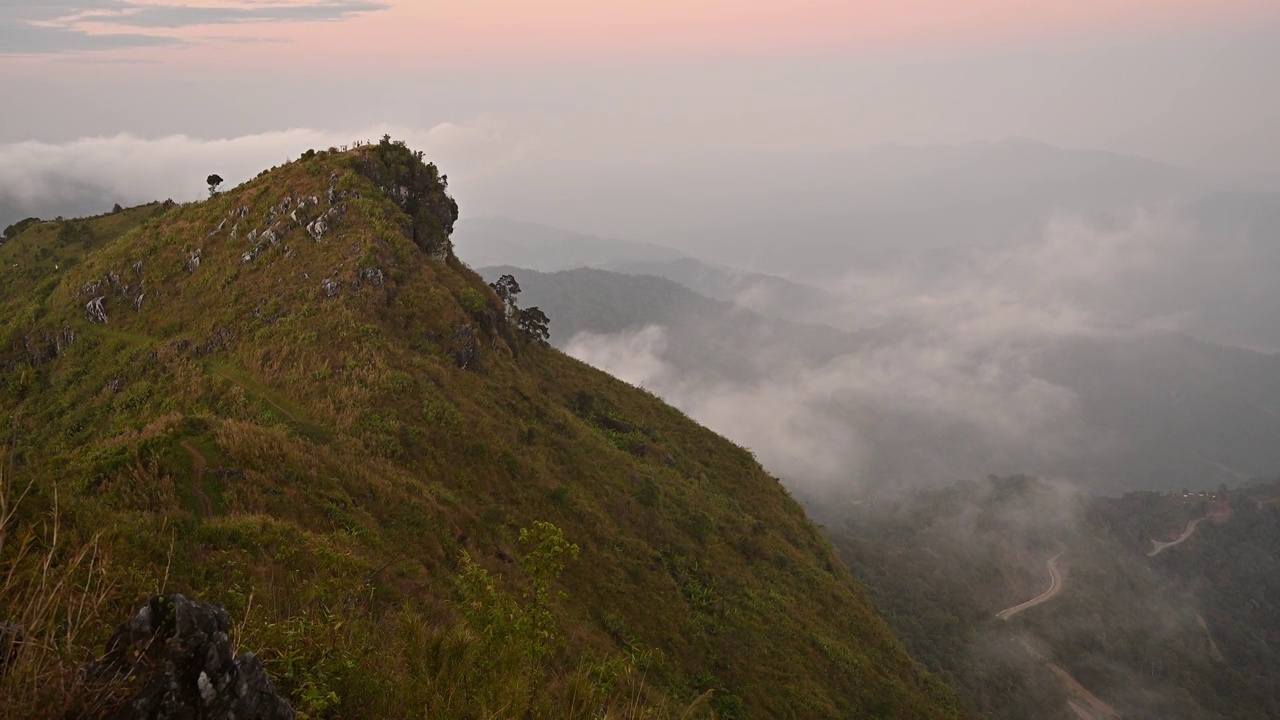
<point>472,301</point>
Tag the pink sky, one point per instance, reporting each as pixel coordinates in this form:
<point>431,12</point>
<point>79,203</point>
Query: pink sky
<point>503,30</point>
<point>1183,80</point>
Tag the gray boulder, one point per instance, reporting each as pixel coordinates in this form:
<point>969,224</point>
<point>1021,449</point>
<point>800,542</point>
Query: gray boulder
<point>177,652</point>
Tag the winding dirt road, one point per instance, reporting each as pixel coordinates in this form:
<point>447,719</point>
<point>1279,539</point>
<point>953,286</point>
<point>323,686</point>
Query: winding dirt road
<point>1160,547</point>
<point>1083,703</point>
<point>1214,651</point>
<point>1055,587</point>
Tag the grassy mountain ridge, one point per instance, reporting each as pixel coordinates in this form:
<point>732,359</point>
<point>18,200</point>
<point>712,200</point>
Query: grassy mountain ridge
<point>293,400</point>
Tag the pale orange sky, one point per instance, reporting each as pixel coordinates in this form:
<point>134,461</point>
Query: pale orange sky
<point>1187,81</point>
<point>598,30</point>
<point>745,24</point>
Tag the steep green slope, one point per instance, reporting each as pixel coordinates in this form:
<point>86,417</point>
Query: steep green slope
<point>293,400</point>
<point>35,254</point>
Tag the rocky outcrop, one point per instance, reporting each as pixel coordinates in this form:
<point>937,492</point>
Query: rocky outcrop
<point>464,347</point>
<point>318,228</point>
<point>37,349</point>
<point>94,312</point>
<point>177,653</point>
<point>42,348</point>
<point>418,189</point>
<point>373,277</point>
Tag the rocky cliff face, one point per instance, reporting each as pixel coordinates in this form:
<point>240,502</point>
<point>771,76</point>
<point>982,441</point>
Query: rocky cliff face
<point>177,653</point>
<point>172,660</point>
<point>418,189</point>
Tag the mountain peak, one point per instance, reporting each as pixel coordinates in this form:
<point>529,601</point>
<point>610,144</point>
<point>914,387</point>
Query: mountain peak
<point>292,400</point>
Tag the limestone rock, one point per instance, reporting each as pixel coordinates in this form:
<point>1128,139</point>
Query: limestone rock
<point>47,347</point>
<point>221,338</point>
<point>372,276</point>
<point>94,311</point>
<point>178,654</point>
<point>317,229</point>
<point>464,347</point>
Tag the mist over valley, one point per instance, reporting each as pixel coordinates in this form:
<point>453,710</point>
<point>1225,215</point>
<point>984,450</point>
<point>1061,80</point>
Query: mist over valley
<point>700,360</point>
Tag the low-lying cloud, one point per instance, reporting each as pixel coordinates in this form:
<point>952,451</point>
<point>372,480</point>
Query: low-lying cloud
<point>853,421</point>
<point>88,175</point>
<point>949,380</point>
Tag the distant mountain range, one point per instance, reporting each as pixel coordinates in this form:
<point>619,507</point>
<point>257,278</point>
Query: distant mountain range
<point>1120,411</point>
<point>821,216</point>
<point>499,241</point>
<point>488,242</point>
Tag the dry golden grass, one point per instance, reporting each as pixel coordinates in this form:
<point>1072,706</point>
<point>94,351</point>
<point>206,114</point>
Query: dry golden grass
<point>56,589</point>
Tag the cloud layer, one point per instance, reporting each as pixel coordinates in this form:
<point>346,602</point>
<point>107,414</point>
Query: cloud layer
<point>950,380</point>
<point>89,175</point>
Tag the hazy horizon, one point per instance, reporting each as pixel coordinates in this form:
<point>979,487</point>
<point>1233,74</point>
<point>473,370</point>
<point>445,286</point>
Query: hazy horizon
<point>575,91</point>
<point>976,183</point>
<point>662,358</point>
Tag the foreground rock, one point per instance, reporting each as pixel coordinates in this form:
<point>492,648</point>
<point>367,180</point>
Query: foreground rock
<point>177,653</point>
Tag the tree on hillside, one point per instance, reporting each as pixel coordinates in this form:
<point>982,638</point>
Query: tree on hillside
<point>507,289</point>
<point>214,181</point>
<point>534,324</point>
<point>12,231</point>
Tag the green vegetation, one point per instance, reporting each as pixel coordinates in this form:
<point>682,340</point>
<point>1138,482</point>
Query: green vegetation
<point>973,549</point>
<point>284,427</point>
<point>1189,633</point>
